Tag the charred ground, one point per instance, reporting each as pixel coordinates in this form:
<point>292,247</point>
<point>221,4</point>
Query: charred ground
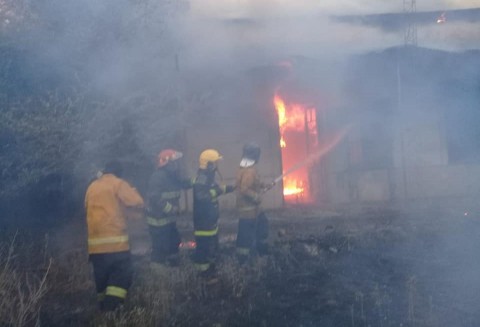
<point>377,268</point>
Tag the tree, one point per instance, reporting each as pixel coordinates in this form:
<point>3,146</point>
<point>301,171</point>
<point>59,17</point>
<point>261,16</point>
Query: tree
<point>82,82</point>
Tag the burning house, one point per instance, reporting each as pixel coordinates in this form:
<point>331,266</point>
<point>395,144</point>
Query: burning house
<point>281,110</point>
<point>405,133</point>
<point>378,129</point>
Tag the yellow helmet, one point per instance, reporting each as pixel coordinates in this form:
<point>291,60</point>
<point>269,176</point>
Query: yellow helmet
<point>208,156</point>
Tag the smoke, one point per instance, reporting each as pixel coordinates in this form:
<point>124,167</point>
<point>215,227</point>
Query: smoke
<point>454,36</point>
<point>144,64</point>
<point>142,72</point>
<point>270,8</point>
<point>251,31</point>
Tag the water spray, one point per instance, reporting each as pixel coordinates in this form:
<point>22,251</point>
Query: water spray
<point>324,148</point>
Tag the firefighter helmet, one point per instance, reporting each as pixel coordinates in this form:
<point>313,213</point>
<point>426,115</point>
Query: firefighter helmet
<point>208,157</point>
<point>251,151</point>
<point>166,156</point>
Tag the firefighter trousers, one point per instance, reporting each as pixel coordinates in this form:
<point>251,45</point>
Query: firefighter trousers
<point>165,242</point>
<point>113,274</point>
<point>252,235</point>
<point>205,252</point>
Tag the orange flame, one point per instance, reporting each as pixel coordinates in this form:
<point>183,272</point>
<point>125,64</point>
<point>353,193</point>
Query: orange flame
<point>297,125</point>
<point>292,187</point>
<point>290,118</point>
<point>287,191</point>
<point>300,147</point>
<point>282,119</point>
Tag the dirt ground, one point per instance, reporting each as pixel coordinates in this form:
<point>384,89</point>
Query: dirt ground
<point>360,268</point>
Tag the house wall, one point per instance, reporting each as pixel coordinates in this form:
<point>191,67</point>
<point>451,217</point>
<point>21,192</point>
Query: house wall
<point>413,112</point>
<point>420,171</point>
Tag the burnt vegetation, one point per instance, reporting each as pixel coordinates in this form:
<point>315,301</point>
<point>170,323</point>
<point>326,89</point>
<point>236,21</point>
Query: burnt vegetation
<point>371,269</point>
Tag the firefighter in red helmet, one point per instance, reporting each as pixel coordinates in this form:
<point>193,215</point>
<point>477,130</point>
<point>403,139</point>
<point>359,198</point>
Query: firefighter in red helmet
<point>164,192</point>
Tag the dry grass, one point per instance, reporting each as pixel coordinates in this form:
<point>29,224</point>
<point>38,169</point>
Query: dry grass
<point>21,292</point>
<point>302,281</point>
<point>163,296</point>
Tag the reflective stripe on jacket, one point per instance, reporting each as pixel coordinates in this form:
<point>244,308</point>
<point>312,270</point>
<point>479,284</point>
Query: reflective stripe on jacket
<point>205,203</point>
<point>105,203</point>
<point>248,193</point>
<point>164,192</point>
<point>160,222</point>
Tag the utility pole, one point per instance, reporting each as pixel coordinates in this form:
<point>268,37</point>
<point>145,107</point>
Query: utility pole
<point>410,39</point>
<point>409,11</point>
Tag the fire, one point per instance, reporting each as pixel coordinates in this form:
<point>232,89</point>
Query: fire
<point>300,148</point>
<point>292,187</point>
<point>287,191</point>
<point>291,118</point>
<point>298,137</point>
<point>282,119</point>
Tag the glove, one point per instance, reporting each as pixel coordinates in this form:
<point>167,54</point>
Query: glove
<point>230,188</point>
<point>258,199</point>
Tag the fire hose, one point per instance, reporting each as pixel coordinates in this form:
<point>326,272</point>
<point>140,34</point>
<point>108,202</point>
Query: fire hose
<point>286,173</point>
<point>324,149</point>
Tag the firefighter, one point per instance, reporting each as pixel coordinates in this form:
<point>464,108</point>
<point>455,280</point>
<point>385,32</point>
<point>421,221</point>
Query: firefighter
<point>106,201</point>
<point>206,211</point>
<point>253,223</point>
<point>164,191</point>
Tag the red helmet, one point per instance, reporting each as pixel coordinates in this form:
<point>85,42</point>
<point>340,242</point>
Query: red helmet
<point>167,155</point>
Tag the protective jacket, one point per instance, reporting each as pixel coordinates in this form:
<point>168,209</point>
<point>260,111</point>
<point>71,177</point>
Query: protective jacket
<point>249,188</point>
<point>164,192</point>
<point>205,203</point>
<point>105,202</point>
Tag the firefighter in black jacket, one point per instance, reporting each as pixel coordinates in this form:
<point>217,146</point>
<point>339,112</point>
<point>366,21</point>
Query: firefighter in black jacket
<point>206,211</point>
<point>164,191</point>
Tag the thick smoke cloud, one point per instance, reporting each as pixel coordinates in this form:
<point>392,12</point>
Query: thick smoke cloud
<point>107,67</point>
<point>139,72</point>
<point>271,8</point>
<point>132,56</point>
<point>268,30</point>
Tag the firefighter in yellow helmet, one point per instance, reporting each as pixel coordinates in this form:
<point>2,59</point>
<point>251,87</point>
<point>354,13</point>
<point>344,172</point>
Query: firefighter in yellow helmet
<point>164,192</point>
<point>108,246</point>
<point>206,211</point>
<point>253,223</point>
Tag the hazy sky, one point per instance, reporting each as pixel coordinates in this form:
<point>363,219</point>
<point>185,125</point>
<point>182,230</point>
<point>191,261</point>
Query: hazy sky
<point>296,27</point>
<point>242,8</point>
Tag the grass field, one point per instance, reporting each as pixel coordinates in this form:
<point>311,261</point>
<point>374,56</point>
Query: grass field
<point>381,268</point>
